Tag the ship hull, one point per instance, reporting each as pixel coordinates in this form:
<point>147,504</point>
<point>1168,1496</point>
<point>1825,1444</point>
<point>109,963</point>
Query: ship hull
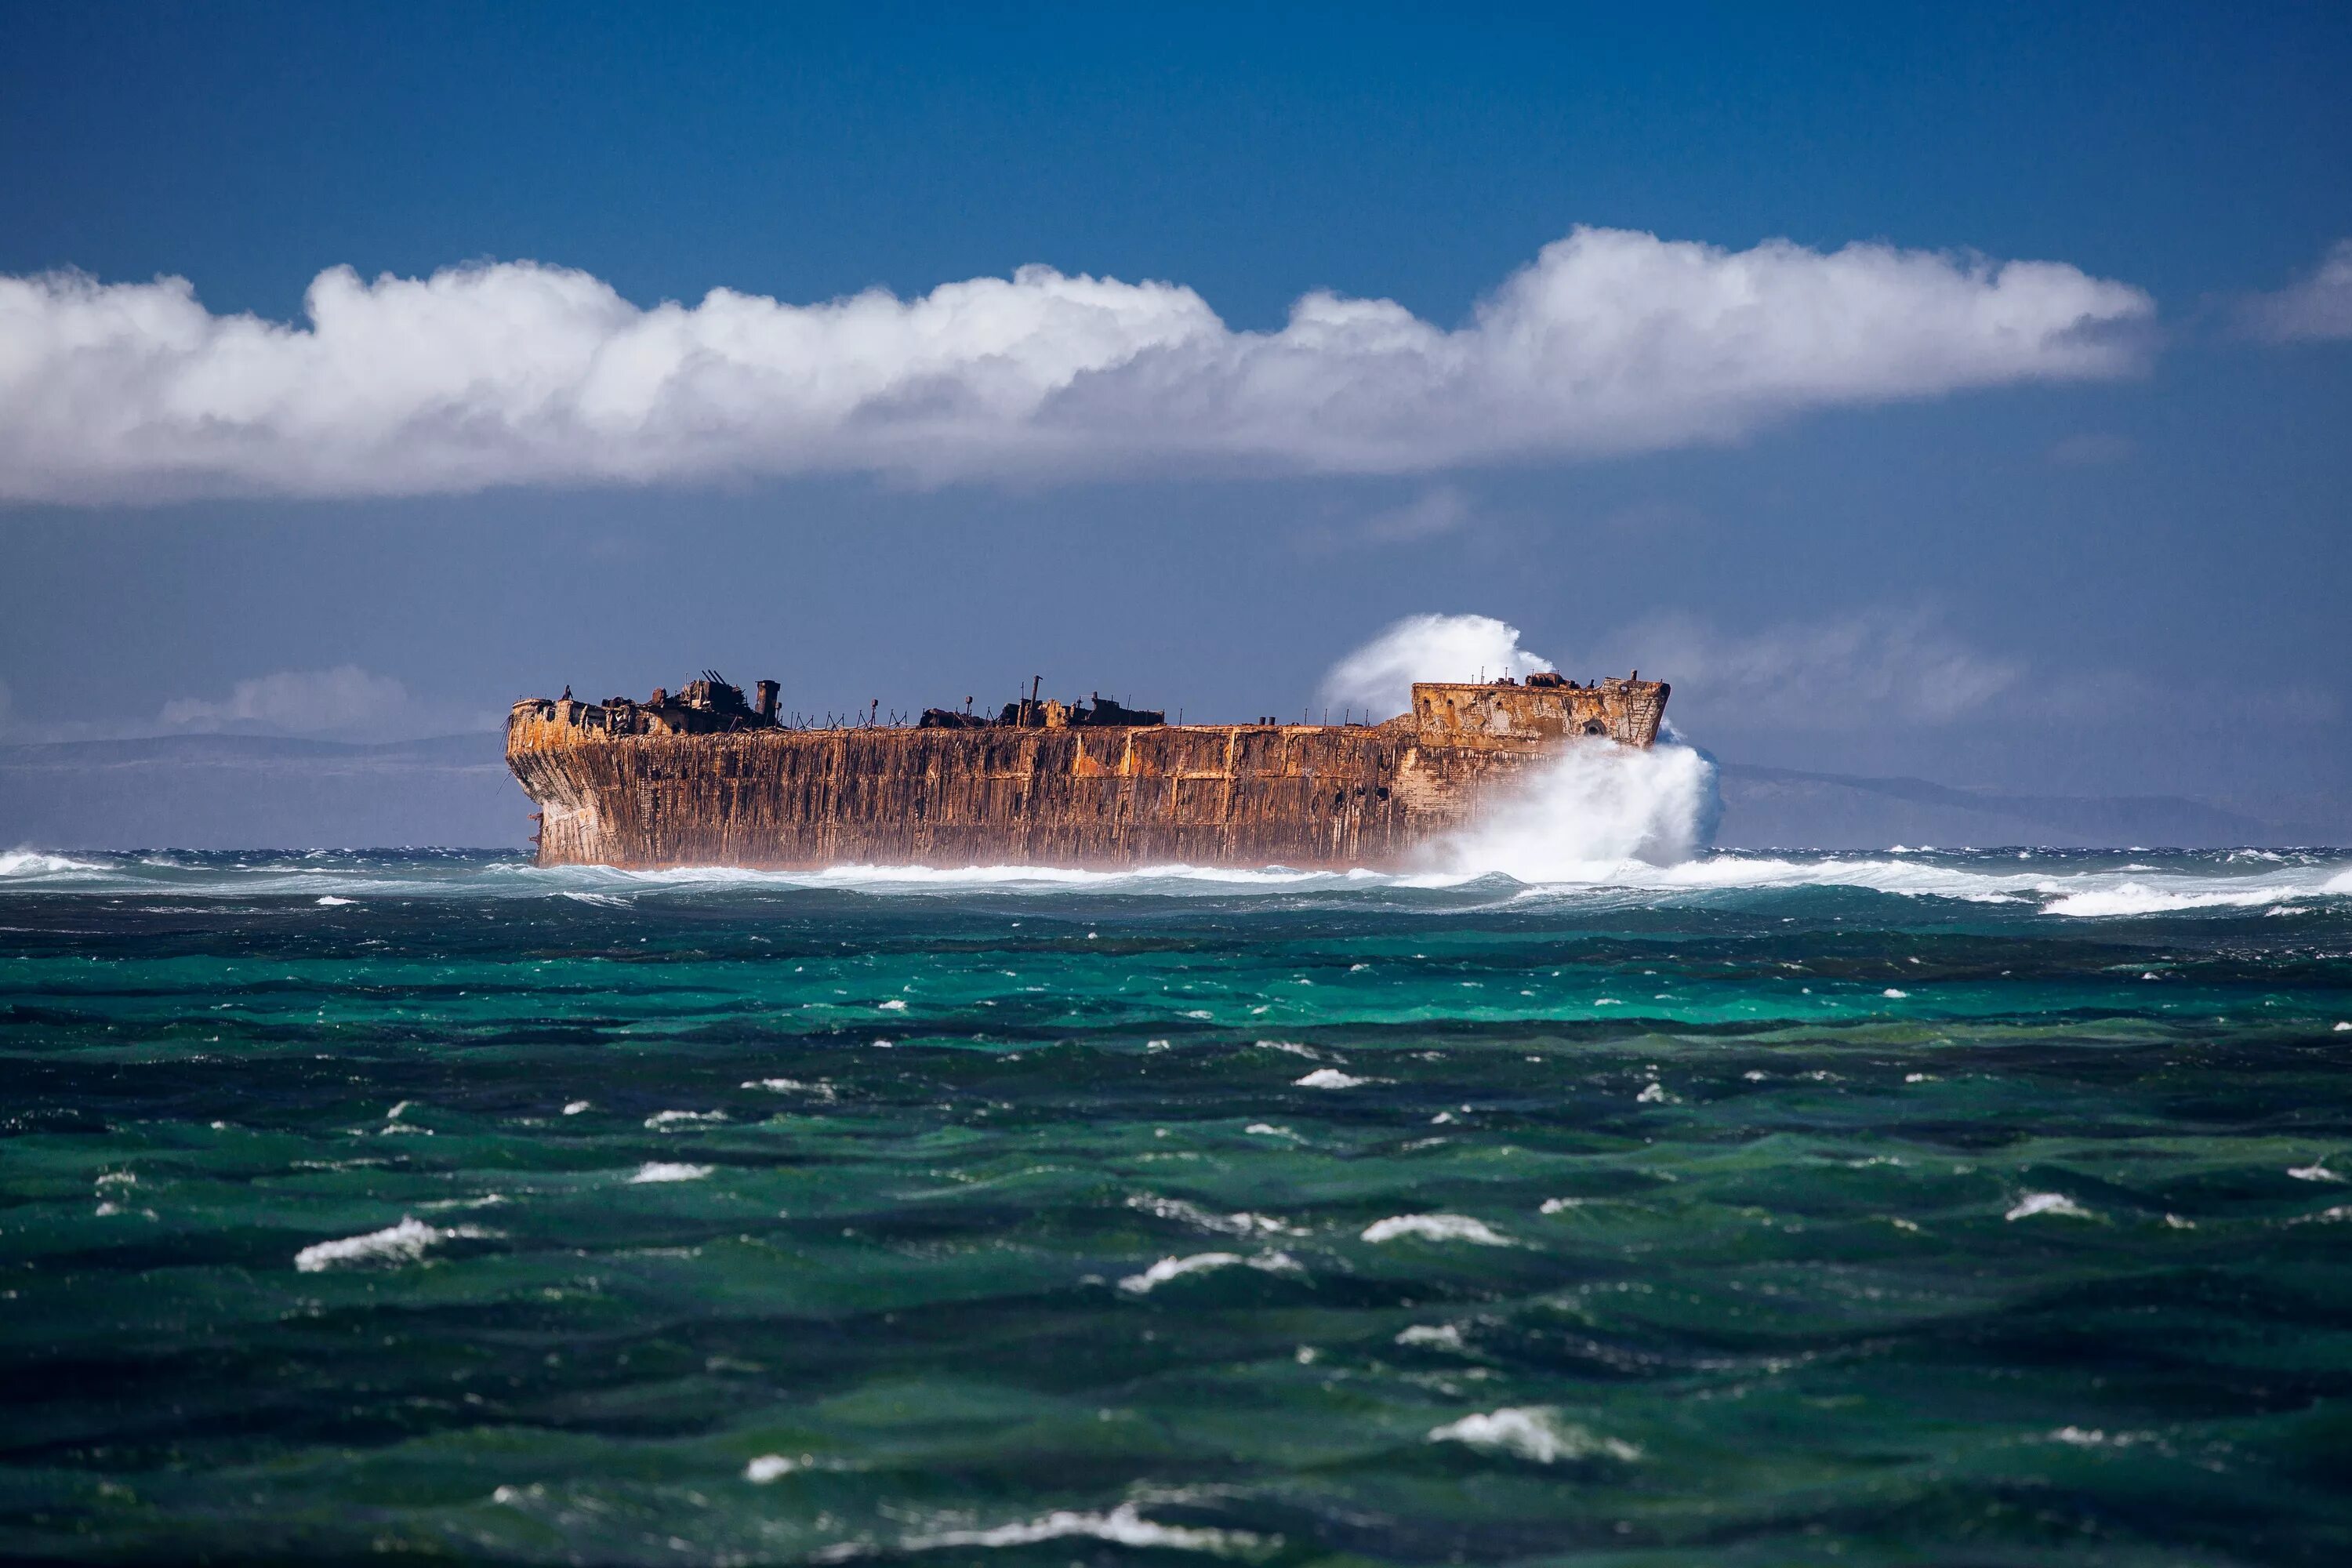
<point>1299,796</point>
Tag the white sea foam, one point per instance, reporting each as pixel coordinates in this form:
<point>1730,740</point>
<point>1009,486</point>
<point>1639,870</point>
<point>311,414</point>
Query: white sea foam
<point>821,1089</point>
<point>1242,1224</point>
<point>669,1170</point>
<point>768,1468</point>
<point>663,1120</point>
<point>1440,1336</point>
<point>1584,816</point>
<point>2133,897</point>
<point>2033,1204</point>
<point>2092,1437</point>
<point>31,865</point>
<point>1124,1526</point>
<point>402,1243</point>
<point>1603,824</point>
<point>1436,1227</point>
<point>1168,1269</point>
<point>1329,1078</point>
<point>1533,1431</point>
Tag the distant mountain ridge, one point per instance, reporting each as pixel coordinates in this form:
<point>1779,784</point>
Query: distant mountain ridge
<point>244,791</point>
<point>1766,807</point>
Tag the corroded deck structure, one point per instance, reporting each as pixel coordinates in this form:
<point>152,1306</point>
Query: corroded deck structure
<point>706,779</point>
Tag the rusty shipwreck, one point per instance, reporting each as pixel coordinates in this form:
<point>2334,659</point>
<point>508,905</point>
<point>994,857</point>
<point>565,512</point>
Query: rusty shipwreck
<point>704,777</point>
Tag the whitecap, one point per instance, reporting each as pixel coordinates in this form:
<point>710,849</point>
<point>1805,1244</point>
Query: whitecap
<point>1440,1336</point>
<point>2137,898</point>
<point>1436,1227</point>
<point>1242,1224</point>
<point>669,1119</point>
<point>768,1468</point>
<point>1329,1078</point>
<point>402,1243</point>
<point>2059,1203</point>
<point>669,1170</point>
<point>1168,1269</point>
<point>2092,1437</point>
<point>821,1089</point>
<point>1122,1526</point>
<point>1533,1431</point>
<point>32,863</point>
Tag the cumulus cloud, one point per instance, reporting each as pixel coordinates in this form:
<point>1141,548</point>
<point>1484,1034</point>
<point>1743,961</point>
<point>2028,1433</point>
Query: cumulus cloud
<point>2314,308</point>
<point>1843,672</point>
<point>1379,675</point>
<point>345,701</point>
<point>521,373</point>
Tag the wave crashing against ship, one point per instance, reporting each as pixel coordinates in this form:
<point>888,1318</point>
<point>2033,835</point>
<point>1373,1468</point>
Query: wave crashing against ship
<point>704,777</point>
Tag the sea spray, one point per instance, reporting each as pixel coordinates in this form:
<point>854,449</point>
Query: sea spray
<point>1586,814</point>
<point>1379,675</point>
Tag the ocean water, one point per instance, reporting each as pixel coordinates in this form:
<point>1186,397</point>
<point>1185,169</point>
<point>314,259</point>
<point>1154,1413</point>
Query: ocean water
<point>1982,1207</point>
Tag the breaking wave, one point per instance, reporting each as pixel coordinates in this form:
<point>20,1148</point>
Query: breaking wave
<point>1595,809</point>
<point>18,866</point>
<point>1628,828</point>
<point>402,1243</point>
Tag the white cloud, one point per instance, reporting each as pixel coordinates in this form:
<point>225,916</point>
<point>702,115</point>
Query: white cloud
<point>1379,675</point>
<point>521,373</point>
<point>2319,307</point>
<point>345,699</point>
<point>1850,672</point>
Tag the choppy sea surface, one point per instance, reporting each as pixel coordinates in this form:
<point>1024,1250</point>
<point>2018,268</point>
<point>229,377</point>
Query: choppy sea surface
<point>1978,1208</point>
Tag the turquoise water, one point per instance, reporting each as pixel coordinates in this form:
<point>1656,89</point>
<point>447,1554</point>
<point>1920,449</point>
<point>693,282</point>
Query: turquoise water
<point>1969,1208</point>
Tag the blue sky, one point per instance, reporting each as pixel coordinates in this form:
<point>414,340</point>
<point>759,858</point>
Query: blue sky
<point>2032,575</point>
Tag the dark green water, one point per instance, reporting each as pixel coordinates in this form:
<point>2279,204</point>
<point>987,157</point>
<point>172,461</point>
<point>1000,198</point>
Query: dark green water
<point>1950,1208</point>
